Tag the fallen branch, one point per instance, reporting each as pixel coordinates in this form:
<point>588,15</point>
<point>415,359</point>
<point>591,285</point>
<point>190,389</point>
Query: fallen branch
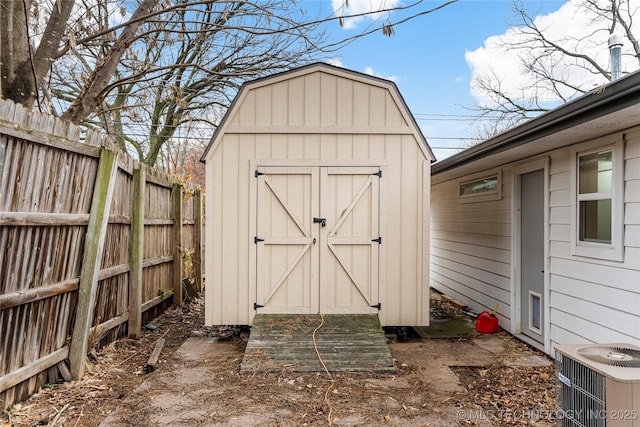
<point>57,417</point>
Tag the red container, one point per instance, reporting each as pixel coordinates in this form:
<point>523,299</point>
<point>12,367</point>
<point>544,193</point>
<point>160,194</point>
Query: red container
<point>487,323</point>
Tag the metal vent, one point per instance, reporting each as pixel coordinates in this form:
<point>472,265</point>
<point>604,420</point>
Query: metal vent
<point>613,356</point>
<point>580,393</point>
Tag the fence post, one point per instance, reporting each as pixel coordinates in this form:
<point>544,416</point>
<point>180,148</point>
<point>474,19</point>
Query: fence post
<point>137,253</point>
<point>92,258</point>
<point>178,267</point>
<point>197,237</point>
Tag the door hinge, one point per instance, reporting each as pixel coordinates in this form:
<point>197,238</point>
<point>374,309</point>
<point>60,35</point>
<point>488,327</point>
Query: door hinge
<point>379,240</point>
<point>258,173</point>
<point>378,174</point>
<point>256,240</point>
<point>257,306</point>
<point>378,306</point>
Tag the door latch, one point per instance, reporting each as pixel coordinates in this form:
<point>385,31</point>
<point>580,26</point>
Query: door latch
<point>322,221</point>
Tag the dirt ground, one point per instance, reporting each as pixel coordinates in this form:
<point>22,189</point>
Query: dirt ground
<point>439,382</point>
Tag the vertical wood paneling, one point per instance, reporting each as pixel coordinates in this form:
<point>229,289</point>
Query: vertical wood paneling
<point>247,113</point>
<point>411,221</point>
<point>393,116</point>
<point>344,104</point>
<point>278,107</point>
<point>313,99</point>
<point>263,108</point>
<point>328,147</point>
<point>295,102</point>
<point>230,222</point>
<point>377,106</point>
<point>344,147</point>
<point>295,146</point>
<point>246,150</point>
<point>394,247</point>
<point>326,101</point>
<point>425,273</point>
<point>361,103</point>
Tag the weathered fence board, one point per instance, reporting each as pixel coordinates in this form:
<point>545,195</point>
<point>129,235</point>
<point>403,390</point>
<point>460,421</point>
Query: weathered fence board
<point>47,180</point>
<point>92,259</point>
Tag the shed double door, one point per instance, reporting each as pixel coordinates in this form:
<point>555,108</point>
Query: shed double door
<point>317,239</point>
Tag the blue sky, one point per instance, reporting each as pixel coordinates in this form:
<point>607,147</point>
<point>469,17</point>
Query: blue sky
<point>426,59</point>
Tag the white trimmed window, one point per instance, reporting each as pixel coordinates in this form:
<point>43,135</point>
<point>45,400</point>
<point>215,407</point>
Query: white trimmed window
<point>480,187</point>
<point>597,183</point>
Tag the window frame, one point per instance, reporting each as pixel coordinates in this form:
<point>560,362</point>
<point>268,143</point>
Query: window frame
<point>485,195</point>
<point>613,251</point>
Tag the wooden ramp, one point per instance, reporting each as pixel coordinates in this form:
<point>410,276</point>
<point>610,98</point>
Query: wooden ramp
<point>346,343</point>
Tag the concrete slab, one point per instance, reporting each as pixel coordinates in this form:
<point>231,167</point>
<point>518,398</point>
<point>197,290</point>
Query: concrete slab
<point>432,358</point>
<point>491,343</point>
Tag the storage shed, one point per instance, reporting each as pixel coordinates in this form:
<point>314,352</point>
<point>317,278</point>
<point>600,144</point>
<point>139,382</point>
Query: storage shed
<point>318,185</point>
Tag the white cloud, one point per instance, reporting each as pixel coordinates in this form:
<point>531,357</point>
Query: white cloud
<point>570,22</point>
<point>356,7</point>
<point>370,71</point>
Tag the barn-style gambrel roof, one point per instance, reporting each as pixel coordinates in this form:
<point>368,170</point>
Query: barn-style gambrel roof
<point>357,107</point>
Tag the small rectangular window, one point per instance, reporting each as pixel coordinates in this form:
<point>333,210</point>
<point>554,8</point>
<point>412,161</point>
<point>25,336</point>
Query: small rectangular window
<point>480,187</point>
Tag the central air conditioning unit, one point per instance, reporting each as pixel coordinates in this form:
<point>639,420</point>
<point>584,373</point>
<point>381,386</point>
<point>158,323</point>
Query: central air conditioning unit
<point>598,385</point>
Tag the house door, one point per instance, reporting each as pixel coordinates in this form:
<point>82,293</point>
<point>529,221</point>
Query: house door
<point>532,254</point>
<point>317,237</point>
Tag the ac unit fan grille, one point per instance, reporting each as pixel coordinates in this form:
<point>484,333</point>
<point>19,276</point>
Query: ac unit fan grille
<point>621,357</point>
<point>587,392</point>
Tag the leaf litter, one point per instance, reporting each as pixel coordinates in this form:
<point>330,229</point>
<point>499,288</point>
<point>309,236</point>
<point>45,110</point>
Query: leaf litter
<point>504,395</point>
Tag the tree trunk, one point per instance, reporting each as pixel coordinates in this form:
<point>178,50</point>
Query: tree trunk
<point>20,76</point>
<point>16,82</point>
<point>93,93</point>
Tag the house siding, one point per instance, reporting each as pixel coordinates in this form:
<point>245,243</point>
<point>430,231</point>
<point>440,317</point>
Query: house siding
<point>594,300</point>
<point>590,300</point>
<point>471,248</point>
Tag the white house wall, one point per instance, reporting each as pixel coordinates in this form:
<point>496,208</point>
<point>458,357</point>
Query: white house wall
<point>590,300</point>
<point>594,300</point>
<point>318,119</point>
<point>471,248</point>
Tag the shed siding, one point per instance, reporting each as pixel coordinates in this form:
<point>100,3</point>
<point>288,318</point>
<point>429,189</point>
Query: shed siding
<point>591,300</point>
<point>318,119</point>
<point>319,99</point>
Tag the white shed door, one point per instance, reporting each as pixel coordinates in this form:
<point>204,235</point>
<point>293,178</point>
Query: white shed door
<point>317,239</point>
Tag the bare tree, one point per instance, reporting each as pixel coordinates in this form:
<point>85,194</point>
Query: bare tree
<point>549,64</point>
<point>142,73</point>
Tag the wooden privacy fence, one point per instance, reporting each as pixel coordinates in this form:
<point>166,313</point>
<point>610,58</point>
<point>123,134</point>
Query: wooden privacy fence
<point>92,244</point>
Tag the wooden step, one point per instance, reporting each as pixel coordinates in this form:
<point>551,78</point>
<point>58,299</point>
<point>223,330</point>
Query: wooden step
<point>346,343</point>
